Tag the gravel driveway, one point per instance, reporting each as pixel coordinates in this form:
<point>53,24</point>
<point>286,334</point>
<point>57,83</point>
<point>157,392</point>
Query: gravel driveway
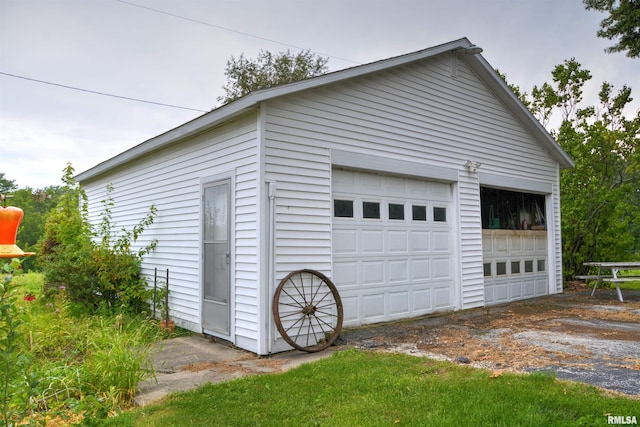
<point>595,340</point>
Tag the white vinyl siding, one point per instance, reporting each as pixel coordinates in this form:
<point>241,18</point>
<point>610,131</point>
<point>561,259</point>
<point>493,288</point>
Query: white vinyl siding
<point>470,246</point>
<point>555,244</point>
<point>418,113</point>
<point>303,205</point>
<point>170,179</point>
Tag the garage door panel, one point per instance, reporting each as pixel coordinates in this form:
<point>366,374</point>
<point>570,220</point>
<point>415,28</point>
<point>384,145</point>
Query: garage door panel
<point>420,269</point>
<point>345,274</point>
<point>442,297</point>
<point>398,270</point>
<point>373,272</point>
<point>398,303</point>
<point>422,301</point>
<point>441,268</point>
<point>419,241</point>
<point>440,241</point>
<point>397,241</point>
<point>351,309</point>
<point>404,258</point>
<point>373,306</point>
<point>345,242</point>
<point>372,241</point>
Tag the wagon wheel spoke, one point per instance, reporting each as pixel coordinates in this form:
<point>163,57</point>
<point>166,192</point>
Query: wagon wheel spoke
<point>307,310</point>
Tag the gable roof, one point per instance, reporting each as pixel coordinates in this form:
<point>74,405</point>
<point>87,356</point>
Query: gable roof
<point>215,117</point>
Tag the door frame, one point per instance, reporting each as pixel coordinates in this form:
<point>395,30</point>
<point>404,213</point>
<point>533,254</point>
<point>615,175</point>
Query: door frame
<point>218,178</point>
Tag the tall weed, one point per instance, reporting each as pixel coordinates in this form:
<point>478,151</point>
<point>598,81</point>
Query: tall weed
<point>116,358</point>
<point>73,362</point>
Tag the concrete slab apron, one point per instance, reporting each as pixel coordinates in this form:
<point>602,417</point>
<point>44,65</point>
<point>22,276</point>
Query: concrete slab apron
<point>185,363</point>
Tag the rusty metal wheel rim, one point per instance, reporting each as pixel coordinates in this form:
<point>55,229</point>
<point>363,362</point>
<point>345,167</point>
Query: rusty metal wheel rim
<point>307,310</point>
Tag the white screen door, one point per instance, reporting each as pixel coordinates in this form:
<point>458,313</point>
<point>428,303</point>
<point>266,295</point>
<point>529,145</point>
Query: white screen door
<point>217,283</point>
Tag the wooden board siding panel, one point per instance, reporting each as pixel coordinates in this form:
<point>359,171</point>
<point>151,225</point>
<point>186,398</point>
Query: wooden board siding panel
<point>171,179</point>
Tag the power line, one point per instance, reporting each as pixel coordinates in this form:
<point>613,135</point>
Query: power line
<point>100,93</point>
<point>231,30</point>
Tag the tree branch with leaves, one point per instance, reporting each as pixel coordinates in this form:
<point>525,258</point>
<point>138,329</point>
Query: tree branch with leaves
<point>245,75</point>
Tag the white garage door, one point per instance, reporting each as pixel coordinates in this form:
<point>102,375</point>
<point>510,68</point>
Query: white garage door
<point>392,246</point>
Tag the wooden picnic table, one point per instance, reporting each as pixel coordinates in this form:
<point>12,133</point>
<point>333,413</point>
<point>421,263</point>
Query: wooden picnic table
<point>615,268</point>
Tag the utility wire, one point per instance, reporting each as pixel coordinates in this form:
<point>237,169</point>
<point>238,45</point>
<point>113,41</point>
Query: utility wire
<point>231,30</point>
<point>100,93</point>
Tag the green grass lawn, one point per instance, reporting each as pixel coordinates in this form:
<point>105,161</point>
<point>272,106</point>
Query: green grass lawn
<point>631,285</point>
<point>357,388</point>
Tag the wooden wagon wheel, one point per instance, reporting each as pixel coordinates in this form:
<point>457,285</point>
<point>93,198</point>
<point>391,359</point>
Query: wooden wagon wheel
<point>307,310</point>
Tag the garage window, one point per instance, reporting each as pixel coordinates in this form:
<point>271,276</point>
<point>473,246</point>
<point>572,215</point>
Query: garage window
<point>487,269</point>
<point>343,208</point>
<point>396,211</point>
<point>541,265</point>
<point>528,266</point>
<point>439,214</point>
<point>419,213</point>
<point>515,267</point>
<point>371,210</point>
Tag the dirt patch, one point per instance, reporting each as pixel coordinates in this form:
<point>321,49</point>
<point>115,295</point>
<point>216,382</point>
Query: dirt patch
<point>566,333</point>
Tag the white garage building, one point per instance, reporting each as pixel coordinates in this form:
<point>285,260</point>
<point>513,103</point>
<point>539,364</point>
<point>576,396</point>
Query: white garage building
<point>418,184</point>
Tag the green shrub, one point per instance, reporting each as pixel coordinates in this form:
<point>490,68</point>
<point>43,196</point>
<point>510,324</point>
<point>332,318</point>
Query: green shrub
<point>98,268</point>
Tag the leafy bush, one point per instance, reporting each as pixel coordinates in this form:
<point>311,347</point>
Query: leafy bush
<point>106,273</point>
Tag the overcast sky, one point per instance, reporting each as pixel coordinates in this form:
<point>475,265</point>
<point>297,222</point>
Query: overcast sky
<point>116,47</point>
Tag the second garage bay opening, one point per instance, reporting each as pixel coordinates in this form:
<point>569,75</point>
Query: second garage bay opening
<point>514,242</point>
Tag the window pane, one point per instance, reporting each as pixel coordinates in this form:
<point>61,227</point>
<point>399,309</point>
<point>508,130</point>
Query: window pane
<point>371,210</point>
<point>487,269</point>
<point>419,213</point>
<point>396,211</point>
<point>440,214</point>
<point>215,212</point>
<point>541,265</point>
<point>501,268</point>
<point>528,266</point>
<point>515,267</point>
<point>343,208</point>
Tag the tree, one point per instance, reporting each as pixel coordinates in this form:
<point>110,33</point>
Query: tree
<point>600,196</point>
<point>6,185</point>
<point>245,76</point>
<point>623,24</point>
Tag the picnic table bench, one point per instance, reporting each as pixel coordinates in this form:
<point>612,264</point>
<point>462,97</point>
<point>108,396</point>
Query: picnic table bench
<point>614,268</point>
